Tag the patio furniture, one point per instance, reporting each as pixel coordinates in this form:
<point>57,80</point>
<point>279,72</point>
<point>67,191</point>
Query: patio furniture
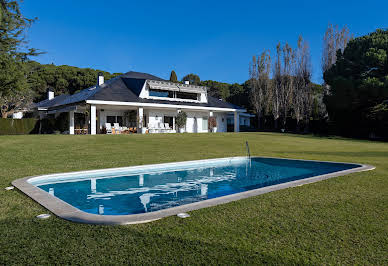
<point>168,128</point>
<point>162,129</point>
<point>108,128</point>
<point>117,128</point>
<point>151,128</point>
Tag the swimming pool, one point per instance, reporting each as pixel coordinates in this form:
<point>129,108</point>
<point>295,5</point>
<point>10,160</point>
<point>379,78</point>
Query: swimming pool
<point>145,193</point>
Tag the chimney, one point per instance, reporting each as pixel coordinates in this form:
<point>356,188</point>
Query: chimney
<point>187,82</point>
<point>50,94</point>
<point>100,79</point>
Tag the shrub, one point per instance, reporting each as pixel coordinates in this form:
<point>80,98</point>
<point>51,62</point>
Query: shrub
<point>212,122</point>
<point>9,126</point>
<point>181,119</point>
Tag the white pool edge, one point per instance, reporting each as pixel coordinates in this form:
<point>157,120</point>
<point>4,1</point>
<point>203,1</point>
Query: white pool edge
<point>70,213</point>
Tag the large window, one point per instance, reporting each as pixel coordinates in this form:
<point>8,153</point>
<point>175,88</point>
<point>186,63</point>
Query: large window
<point>173,94</point>
<point>169,120</point>
<point>187,95</point>
<point>161,93</point>
<point>114,119</point>
<point>111,119</point>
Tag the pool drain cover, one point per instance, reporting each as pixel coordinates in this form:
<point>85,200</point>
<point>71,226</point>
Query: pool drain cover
<point>183,215</point>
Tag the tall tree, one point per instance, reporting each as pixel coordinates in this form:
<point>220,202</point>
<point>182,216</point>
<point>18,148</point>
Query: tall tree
<point>287,81</point>
<point>13,54</point>
<point>173,77</point>
<point>358,82</point>
<point>14,91</point>
<point>260,83</point>
<point>302,94</point>
<point>334,39</point>
<point>277,86</point>
<point>192,78</point>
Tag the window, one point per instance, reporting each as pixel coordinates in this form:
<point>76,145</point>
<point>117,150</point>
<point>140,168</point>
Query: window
<point>161,93</point>
<point>111,119</point>
<point>114,119</point>
<point>169,120</point>
<point>187,95</point>
<point>119,119</point>
<point>204,123</point>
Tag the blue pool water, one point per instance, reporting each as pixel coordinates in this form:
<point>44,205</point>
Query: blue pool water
<point>147,190</point>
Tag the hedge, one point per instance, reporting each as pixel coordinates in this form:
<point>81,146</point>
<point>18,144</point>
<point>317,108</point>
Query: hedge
<point>9,126</point>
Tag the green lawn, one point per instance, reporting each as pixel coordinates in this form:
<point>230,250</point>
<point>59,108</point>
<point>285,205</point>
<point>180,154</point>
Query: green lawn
<point>342,220</point>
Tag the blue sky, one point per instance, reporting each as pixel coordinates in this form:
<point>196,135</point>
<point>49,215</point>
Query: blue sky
<point>214,39</point>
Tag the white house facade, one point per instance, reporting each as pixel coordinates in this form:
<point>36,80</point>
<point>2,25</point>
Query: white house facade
<point>140,103</point>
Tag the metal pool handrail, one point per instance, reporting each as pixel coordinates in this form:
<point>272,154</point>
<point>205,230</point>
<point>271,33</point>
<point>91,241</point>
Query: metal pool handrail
<point>248,151</point>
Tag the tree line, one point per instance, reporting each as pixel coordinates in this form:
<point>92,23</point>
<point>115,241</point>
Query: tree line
<point>280,87</point>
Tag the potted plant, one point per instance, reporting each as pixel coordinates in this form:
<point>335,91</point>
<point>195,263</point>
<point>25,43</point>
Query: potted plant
<point>212,124</point>
<point>180,121</point>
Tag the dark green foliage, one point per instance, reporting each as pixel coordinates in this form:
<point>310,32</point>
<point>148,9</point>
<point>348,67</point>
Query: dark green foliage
<point>219,90</point>
<point>14,90</point>
<point>173,77</point>
<point>12,31</point>
<point>192,78</point>
<point>358,81</point>
<point>62,79</point>
<point>23,126</point>
<point>378,116</point>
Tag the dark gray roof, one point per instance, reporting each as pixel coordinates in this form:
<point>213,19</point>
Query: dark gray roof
<point>124,88</point>
<point>55,101</point>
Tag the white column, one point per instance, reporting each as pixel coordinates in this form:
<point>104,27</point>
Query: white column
<point>140,114</point>
<point>236,122</point>
<point>173,122</point>
<point>71,122</point>
<point>93,117</point>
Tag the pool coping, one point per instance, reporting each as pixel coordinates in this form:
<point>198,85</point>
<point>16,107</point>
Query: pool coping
<point>66,211</point>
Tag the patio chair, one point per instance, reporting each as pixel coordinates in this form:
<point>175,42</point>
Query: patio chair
<point>108,128</point>
<point>162,129</point>
<point>117,127</point>
<point>167,127</point>
<point>151,128</point>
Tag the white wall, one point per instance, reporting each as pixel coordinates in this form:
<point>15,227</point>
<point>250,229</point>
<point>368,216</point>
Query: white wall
<point>17,115</point>
<point>221,122</point>
<point>156,116</point>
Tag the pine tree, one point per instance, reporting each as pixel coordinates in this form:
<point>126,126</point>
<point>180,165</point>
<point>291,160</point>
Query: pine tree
<point>173,77</point>
<point>13,53</point>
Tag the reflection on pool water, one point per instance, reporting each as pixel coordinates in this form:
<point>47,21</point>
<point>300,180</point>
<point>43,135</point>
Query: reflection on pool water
<point>122,192</point>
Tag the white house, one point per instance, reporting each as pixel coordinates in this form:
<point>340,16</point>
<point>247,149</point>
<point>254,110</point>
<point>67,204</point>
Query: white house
<point>139,102</point>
